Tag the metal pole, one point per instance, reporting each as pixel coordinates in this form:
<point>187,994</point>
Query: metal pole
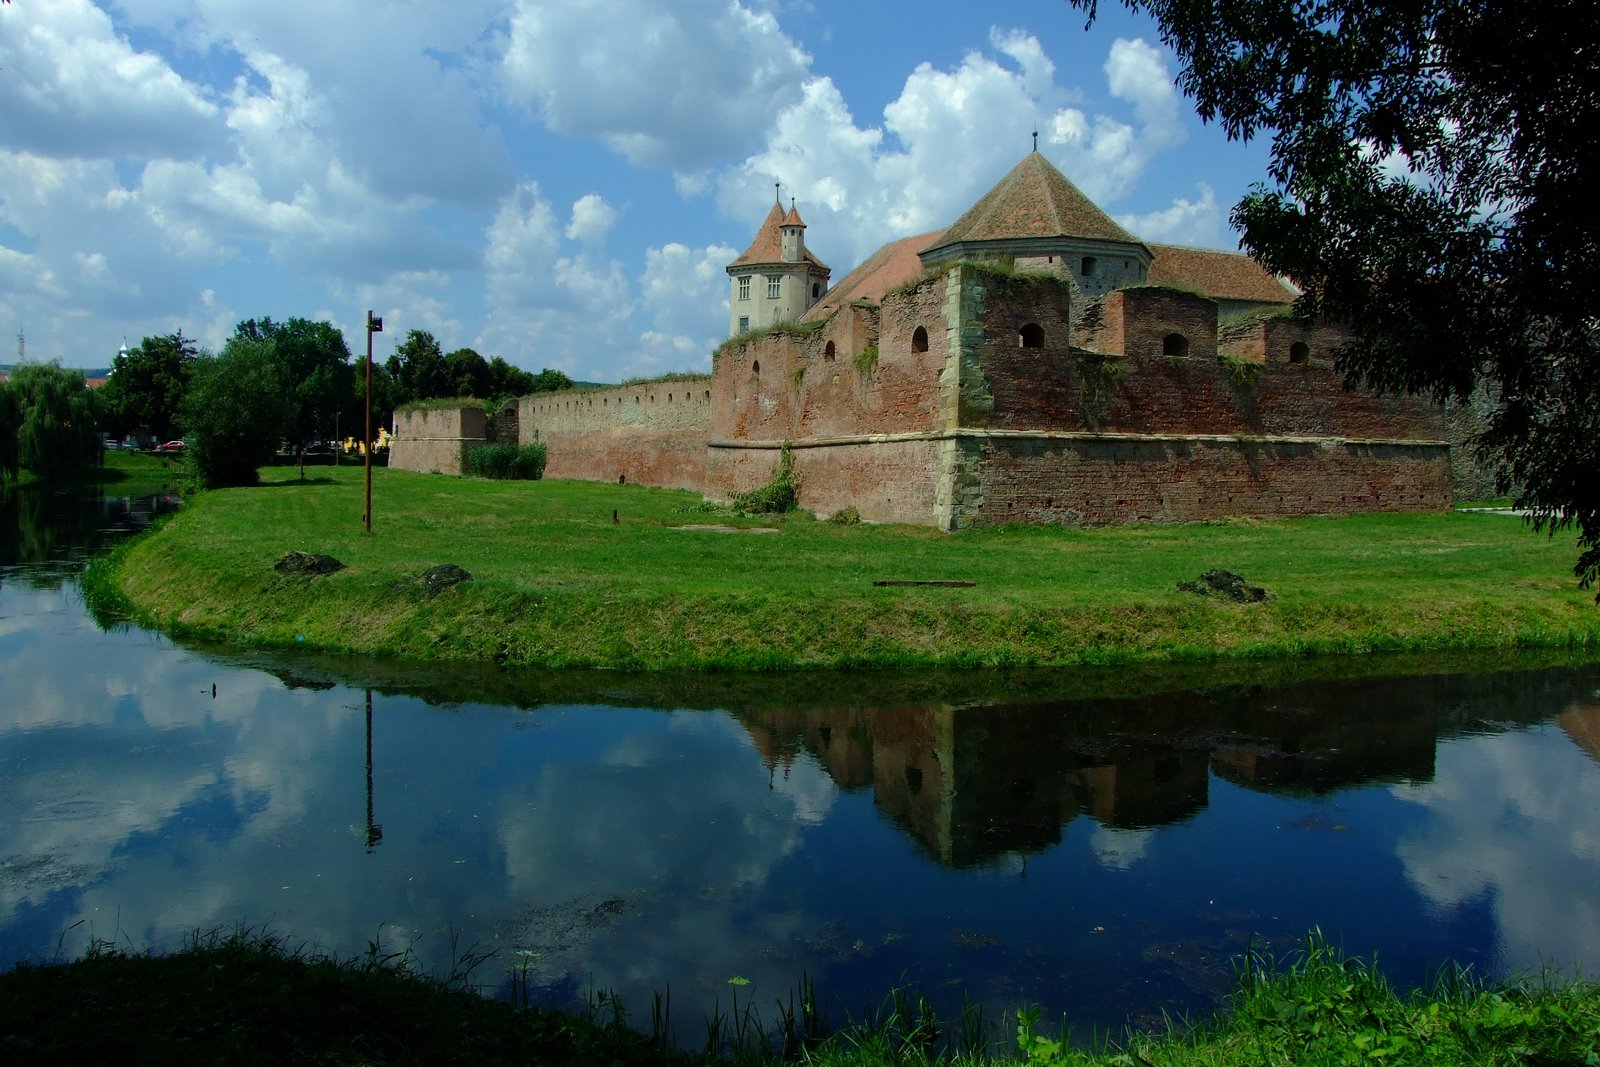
<point>366,516</point>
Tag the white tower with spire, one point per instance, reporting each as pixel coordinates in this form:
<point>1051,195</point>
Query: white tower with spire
<point>776,279</point>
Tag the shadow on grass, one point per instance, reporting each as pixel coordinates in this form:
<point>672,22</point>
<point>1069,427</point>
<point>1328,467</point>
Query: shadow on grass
<point>287,483</point>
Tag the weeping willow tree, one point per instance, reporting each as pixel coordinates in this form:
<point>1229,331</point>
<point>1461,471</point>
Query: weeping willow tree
<point>57,420</point>
<point>9,417</point>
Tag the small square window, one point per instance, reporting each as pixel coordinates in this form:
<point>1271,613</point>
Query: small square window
<point>744,323</point>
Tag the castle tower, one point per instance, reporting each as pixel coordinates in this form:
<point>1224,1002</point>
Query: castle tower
<point>777,279</point>
<point>1038,219</point>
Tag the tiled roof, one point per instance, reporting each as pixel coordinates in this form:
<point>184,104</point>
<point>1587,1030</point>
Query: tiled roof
<point>890,266</point>
<point>793,217</point>
<point>768,245</point>
<point>1218,275</point>
<point>1034,200</point>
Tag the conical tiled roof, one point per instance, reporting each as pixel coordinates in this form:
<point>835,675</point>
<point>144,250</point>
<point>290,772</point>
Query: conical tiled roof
<point>768,245</point>
<point>1034,200</point>
<point>793,217</point>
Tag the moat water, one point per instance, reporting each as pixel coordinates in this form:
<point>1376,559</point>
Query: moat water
<point>1104,845</point>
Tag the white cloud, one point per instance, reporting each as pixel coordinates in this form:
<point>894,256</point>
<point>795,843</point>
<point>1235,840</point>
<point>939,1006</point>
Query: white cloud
<point>545,308</point>
<point>684,293</point>
<point>592,219</point>
<point>77,88</point>
<point>948,136</point>
<point>680,85</point>
<point>1196,222</point>
<point>1461,856</point>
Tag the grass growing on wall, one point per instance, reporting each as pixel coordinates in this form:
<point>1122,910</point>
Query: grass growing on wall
<point>588,574</point>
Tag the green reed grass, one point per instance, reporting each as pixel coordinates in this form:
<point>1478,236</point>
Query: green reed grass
<point>250,997</point>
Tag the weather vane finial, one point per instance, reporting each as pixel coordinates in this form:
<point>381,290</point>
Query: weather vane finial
<point>777,193</point>
<point>1036,140</point>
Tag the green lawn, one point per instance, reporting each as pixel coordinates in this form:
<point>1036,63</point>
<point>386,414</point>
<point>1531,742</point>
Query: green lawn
<point>556,582</point>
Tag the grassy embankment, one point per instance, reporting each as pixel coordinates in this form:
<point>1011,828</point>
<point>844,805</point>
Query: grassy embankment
<point>248,1000</point>
<point>557,583</point>
<point>123,473</point>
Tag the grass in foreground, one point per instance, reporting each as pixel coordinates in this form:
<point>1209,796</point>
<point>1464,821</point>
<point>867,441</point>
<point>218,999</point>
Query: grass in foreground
<point>557,582</point>
<point>249,999</point>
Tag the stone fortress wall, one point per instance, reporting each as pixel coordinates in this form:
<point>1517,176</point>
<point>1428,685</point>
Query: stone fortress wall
<point>653,433</point>
<point>1019,366</point>
<point>436,439</point>
<point>979,398</point>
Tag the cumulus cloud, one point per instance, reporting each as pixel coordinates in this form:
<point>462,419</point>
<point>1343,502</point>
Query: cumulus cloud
<point>947,137</point>
<point>77,88</point>
<point>679,85</point>
<point>684,293</point>
<point>547,304</point>
<point>592,219</point>
<point>1196,222</point>
<point>1543,785</point>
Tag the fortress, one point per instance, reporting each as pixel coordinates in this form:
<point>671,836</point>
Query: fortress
<point>1032,363</point>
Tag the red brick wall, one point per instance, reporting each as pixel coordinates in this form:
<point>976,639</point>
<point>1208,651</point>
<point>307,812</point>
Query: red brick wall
<point>1111,480</point>
<point>801,391</point>
<point>653,433</point>
<point>886,481</point>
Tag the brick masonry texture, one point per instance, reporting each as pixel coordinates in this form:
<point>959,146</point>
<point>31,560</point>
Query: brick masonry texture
<point>653,433</point>
<point>436,439</point>
<point>975,397</point>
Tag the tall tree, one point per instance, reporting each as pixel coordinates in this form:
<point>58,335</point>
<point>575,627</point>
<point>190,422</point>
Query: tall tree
<point>316,369</point>
<point>1432,185</point>
<point>506,381</point>
<point>147,385</point>
<point>551,381</point>
<point>10,419</point>
<point>236,411</point>
<point>58,423</point>
<point>417,366</point>
<point>468,373</point>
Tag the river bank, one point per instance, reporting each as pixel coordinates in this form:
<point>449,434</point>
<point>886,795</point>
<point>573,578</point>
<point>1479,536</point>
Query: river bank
<point>244,999</point>
<point>569,574</point>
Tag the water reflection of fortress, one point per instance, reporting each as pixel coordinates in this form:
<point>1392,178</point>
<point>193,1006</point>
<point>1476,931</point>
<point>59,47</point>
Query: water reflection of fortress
<point>972,784</point>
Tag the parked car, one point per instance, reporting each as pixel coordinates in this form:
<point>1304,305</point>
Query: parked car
<point>172,446</point>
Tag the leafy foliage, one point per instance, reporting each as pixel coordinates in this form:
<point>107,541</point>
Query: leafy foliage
<point>236,410</point>
<point>777,497</point>
<point>10,420</point>
<point>1431,185</point>
<point>515,462</point>
<point>57,419</point>
<point>314,363</point>
<point>147,386</point>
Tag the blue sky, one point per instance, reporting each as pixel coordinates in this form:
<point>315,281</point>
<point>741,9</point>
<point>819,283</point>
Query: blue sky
<point>558,182</point>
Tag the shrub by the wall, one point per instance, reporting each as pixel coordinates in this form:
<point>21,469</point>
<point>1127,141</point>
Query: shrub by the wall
<point>515,462</point>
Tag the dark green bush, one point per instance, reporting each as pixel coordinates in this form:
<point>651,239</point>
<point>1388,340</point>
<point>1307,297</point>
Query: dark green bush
<point>523,463</point>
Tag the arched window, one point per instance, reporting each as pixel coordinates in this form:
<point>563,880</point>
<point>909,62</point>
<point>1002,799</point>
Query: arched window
<point>828,352</point>
<point>1031,336</point>
<point>816,290</point>
<point>919,339</point>
<point>1175,344</point>
<point>1299,352</point>
<point>1086,268</point>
